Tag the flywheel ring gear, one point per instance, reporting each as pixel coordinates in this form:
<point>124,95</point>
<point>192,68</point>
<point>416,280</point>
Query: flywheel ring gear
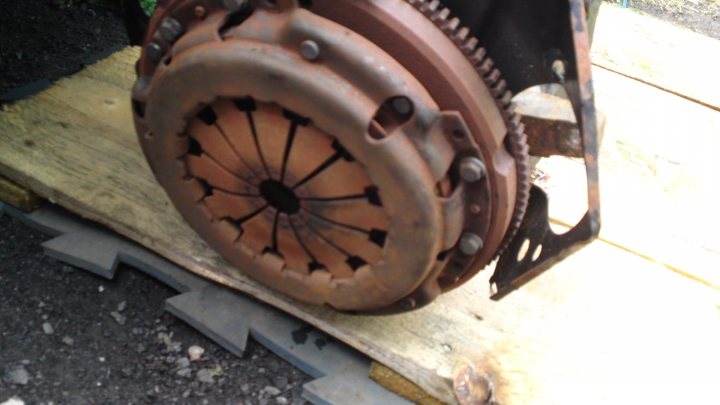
<point>218,83</point>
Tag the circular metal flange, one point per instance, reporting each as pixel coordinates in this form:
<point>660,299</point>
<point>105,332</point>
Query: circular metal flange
<point>289,167</point>
<point>314,161</point>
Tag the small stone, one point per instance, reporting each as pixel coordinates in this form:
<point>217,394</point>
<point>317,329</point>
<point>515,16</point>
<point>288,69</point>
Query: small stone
<point>245,388</point>
<point>182,362</point>
<point>195,352</point>
<point>261,370</point>
<point>127,371</point>
<point>48,328</point>
<point>68,340</point>
<point>281,400</point>
<point>272,391</point>
<point>217,371</point>
<point>186,393</point>
<point>280,382</point>
<point>205,376</point>
<point>101,289</point>
<point>17,375</point>
<point>118,317</point>
<point>25,362</point>
<point>122,306</point>
<point>101,359</point>
<point>185,372</point>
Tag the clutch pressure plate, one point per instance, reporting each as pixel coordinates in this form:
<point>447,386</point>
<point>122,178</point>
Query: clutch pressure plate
<point>357,154</point>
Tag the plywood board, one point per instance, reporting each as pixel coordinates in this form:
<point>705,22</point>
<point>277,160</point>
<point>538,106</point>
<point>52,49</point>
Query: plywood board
<point>658,187</point>
<point>656,52</point>
<point>604,326</point>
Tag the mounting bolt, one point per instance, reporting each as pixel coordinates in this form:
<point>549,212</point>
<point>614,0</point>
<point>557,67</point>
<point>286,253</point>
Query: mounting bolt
<point>170,30</point>
<point>200,12</point>
<point>470,244</point>
<point>234,5</point>
<point>408,304</point>
<point>310,49</point>
<point>402,105</point>
<point>472,169</point>
<point>154,52</point>
<point>558,67</point>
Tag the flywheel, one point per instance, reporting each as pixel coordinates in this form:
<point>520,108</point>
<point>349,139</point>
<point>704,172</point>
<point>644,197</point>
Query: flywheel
<point>358,154</point>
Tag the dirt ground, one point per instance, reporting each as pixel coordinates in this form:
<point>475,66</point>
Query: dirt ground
<point>701,16</point>
<point>69,337</point>
<point>40,39</point>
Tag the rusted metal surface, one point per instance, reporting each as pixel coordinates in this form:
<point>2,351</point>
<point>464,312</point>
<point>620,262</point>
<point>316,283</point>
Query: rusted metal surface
<point>359,154</point>
<point>541,245</point>
<point>550,124</point>
<point>472,386</point>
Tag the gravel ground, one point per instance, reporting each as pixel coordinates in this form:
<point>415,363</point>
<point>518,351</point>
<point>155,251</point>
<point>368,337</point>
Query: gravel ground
<point>69,337</point>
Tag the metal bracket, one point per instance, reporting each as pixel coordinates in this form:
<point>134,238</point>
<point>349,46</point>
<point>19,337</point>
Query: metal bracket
<point>533,43</point>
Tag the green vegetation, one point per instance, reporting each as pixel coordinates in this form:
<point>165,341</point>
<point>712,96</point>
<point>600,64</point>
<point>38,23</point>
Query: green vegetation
<point>148,5</point>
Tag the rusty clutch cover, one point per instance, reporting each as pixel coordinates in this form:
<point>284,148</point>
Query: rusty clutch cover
<point>360,154</point>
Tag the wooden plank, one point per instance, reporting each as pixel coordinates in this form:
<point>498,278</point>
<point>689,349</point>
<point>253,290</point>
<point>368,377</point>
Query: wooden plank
<point>603,326</point>
<point>659,53</point>
<point>19,197</point>
<point>658,187</point>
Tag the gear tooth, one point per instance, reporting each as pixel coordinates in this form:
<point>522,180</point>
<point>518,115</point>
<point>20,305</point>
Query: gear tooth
<point>451,26</point>
<point>461,34</point>
<point>493,76</point>
<point>522,136</point>
<point>478,56</point>
<point>505,99</point>
<point>485,67</point>
<point>441,16</point>
<point>499,88</point>
<point>469,46</point>
<point>515,120</point>
<point>429,7</point>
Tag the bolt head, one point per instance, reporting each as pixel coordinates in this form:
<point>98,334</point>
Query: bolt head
<point>402,105</point>
<point>310,49</point>
<point>470,244</point>
<point>170,30</point>
<point>472,169</point>
<point>154,51</point>
<point>408,304</point>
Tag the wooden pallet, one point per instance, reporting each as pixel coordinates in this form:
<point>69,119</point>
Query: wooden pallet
<point>606,325</point>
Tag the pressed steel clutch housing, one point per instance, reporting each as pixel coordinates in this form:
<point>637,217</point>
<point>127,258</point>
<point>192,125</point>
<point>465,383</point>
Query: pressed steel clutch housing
<point>353,153</point>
